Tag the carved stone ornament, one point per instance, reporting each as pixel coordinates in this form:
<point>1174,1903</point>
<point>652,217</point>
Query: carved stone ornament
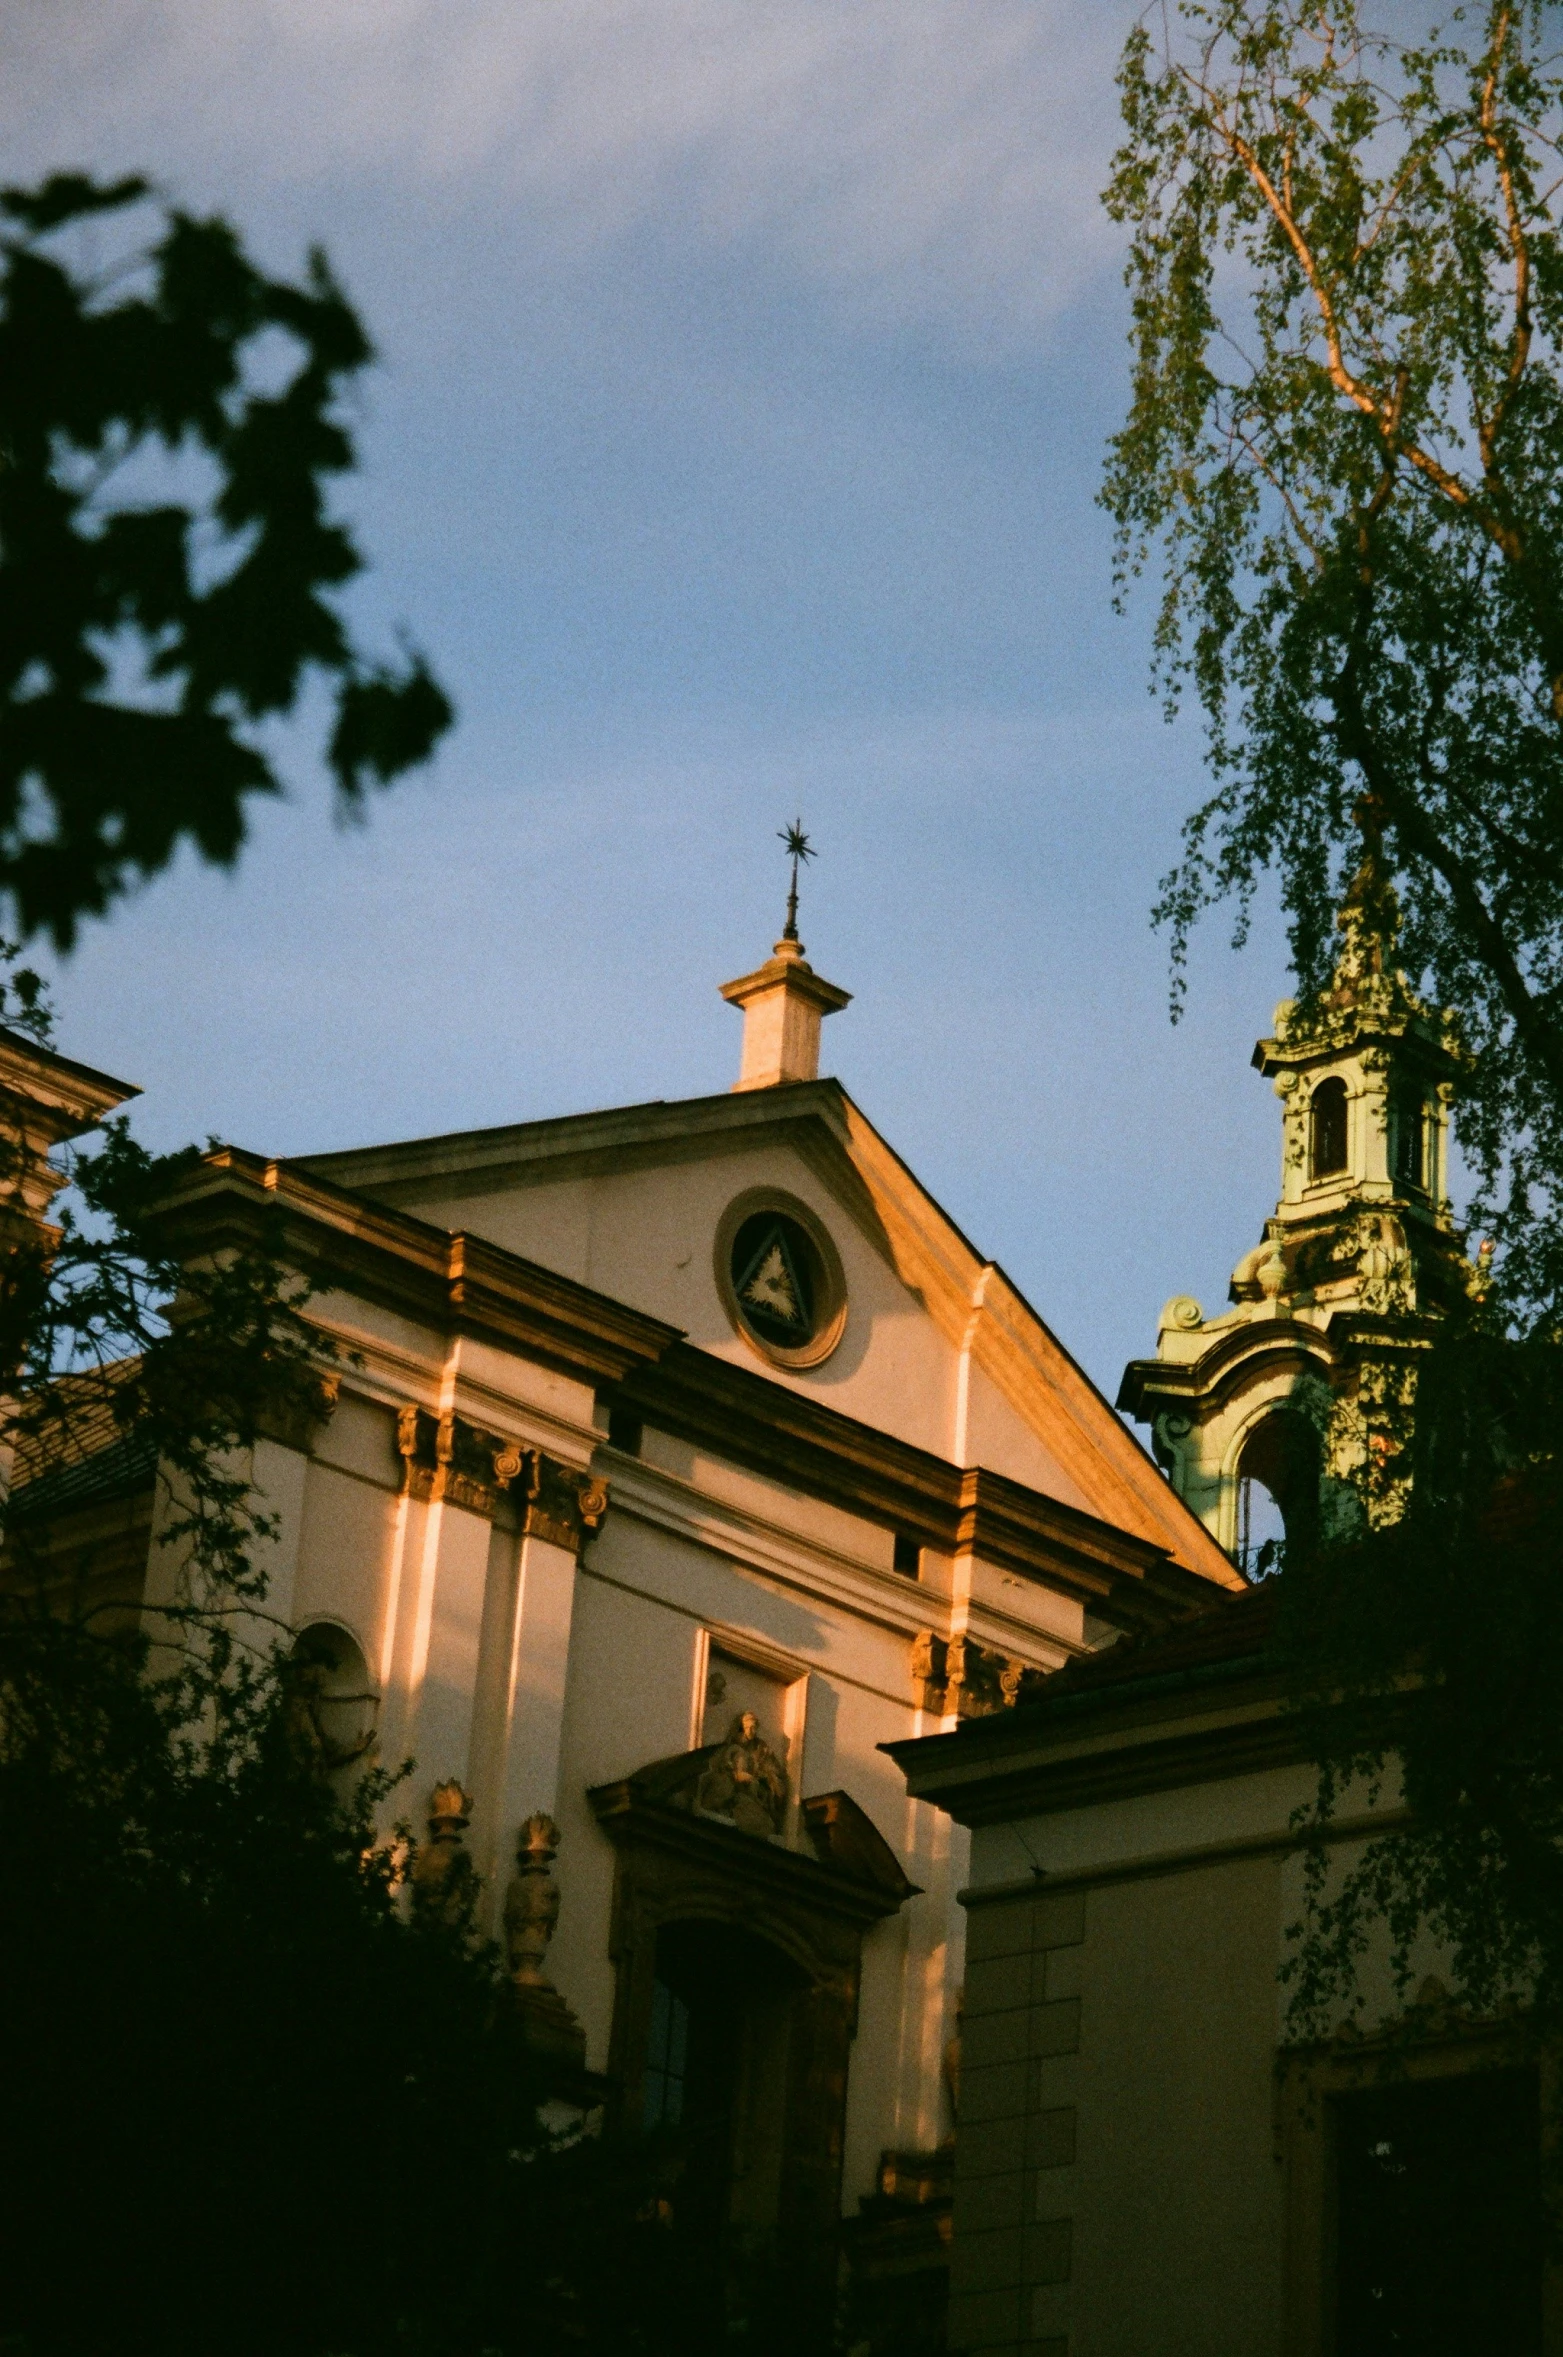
<point>444,1879</point>
<point>532,1901</point>
<point>745,1780</point>
<point>963,1679</point>
<point>560,1505</point>
<point>445,1457</point>
<point>531,1914</point>
<point>448,1457</point>
<point>294,1422</point>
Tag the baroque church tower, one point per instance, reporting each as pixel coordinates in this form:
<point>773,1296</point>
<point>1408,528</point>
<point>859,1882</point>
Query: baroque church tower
<point>1257,1413</point>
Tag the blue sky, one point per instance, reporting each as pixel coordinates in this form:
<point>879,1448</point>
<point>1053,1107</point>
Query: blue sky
<point>745,367</point>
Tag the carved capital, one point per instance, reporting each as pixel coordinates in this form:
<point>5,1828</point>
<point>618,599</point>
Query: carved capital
<point>561,1505</point>
<point>447,1457</point>
<point>960,1676</point>
<point>294,1422</point>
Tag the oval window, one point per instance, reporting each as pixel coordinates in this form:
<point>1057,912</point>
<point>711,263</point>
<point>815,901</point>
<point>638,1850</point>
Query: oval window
<point>780,1277</point>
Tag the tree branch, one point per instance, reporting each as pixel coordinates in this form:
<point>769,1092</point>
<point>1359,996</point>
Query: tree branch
<point>1422,840</point>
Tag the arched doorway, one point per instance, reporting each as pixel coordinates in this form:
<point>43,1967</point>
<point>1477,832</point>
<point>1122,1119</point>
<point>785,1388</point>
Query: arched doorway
<point>1277,1491</point>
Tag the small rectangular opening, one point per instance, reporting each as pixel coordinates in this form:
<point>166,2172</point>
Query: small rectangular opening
<point>908,1556</point>
<point>624,1431</point>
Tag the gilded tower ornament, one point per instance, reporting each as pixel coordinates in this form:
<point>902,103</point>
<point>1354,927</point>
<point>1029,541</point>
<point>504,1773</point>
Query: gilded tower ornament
<point>1293,1389</point>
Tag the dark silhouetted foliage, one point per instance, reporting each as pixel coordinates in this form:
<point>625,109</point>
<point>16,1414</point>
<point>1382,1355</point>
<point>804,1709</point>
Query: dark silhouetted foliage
<point>170,419</point>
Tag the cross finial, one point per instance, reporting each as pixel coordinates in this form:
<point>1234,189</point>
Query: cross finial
<point>799,848</point>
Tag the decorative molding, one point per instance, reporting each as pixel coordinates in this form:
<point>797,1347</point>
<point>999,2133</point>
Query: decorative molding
<point>831,1308</point>
<point>961,1678</point>
<point>444,1458</point>
<point>447,1457</point>
<point>561,1505</point>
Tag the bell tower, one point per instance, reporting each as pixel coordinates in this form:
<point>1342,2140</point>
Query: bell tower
<point>1359,1256</point>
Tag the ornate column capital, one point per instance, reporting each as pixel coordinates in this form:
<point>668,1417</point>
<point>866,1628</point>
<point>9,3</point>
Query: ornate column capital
<point>558,1503</point>
<point>449,1457</point>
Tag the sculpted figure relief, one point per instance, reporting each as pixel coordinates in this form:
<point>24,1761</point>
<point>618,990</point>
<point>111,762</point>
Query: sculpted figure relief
<point>745,1781</point>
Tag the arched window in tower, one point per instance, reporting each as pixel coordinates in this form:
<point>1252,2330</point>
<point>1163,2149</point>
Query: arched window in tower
<point>1327,1128</point>
<point>1410,1125</point>
<point>1277,1491</point>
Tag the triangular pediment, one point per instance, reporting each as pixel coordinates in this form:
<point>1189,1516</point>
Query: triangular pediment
<point>738,1217</point>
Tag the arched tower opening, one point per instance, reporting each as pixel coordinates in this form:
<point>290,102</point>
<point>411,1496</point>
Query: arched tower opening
<point>1327,1128</point>
<point>1278,1474</point>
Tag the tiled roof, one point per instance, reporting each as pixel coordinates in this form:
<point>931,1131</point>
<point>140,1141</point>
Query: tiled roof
<point>80,1453</point>
<point>1228,1635</point>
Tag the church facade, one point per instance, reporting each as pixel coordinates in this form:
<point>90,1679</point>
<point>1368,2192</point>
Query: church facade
<point>683,1457</point>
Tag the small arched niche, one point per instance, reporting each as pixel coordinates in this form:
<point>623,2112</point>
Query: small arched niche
<point>1327,1128</point>
<point>1277,1491</point>
<point>335,1705</point>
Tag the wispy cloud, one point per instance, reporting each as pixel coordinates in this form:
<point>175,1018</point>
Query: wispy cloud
<point>931,161</point>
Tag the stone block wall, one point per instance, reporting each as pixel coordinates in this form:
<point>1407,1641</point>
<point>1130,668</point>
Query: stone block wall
<point>1015,2151</point>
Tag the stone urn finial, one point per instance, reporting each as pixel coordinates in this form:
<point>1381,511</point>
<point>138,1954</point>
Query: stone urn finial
<point>531,1913</point>
<point>532,1901</point>
<point>443,1878</point>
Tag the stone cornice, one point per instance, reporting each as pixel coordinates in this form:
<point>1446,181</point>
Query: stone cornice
<point>772,1429</point>
<point>454,1282</point>
<point>1335,1339</point>
<point>1193,1728</point>
<point>576,1144</point>
<point>630,1815</point>
<point>71,1097</point>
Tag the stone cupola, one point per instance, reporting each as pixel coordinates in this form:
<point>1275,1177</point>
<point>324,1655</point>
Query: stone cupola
<point>1359,1254</point>
<point>784,1003</point>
